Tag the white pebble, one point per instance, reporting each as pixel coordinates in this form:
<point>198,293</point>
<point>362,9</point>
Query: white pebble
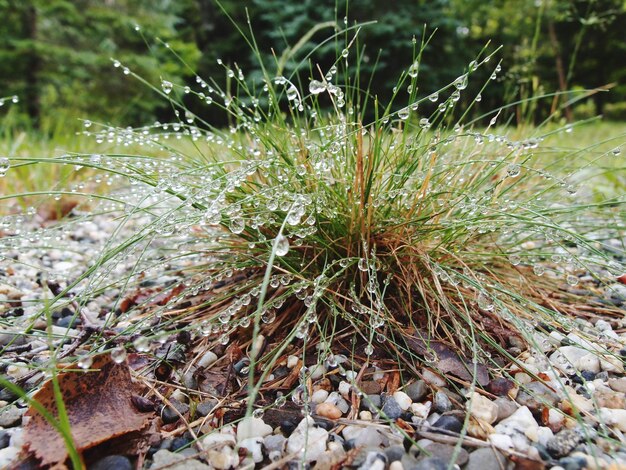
<point>365,415</point>
<point>252,427</point>
<point>421,410</point>
<point>403,400</point>
<point>396,465</point>
<point>319,396</point>
<point>207,359</point>
<point>344,388</point>
<point>501,441</point>
<point>292,361</point>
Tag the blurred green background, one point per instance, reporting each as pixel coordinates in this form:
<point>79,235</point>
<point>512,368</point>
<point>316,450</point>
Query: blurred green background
<point>55,55</point>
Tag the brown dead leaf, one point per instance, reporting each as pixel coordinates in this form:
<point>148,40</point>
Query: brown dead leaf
<point>99,406</point>
<point>622,279</point>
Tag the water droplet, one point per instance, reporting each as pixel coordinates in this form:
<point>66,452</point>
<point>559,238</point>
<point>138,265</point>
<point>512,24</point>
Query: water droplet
<point>84,362</point>
<point>425,123</point>
<point>237,225</point>
<point>142,344</point>
<point>118,354</point>
<point>461,82</point>
<point>616,151</point>
<point>479,98</point>
<point>571,280</point>
<point>316,87</point>
<point>369,350</point>
<point>473,65</point>
<point>280,401</point>
<point>281,245</point>
<point>345,53</point>
<point>96,158</point>
<point>292,93</point>
<point>515,259</point>
<point>362,264</point>
<point>413,70</point>
<point>539,269</point>
<point>258,413</point>
<point>513,170</point>
<point>434,97</point>
<point>4,165</point>
<point>404,113</point>
<point>87,123</point>
<point>166,86</point>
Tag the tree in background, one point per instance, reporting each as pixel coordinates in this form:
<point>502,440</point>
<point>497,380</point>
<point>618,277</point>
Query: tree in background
<point>56,56</point>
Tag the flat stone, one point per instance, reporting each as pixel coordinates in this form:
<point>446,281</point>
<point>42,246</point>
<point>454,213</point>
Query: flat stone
<point>309,439</point>
<point>442,403</point>
<point>482,408</point>
<point>619,385</point>
<point>446,452</point>
<point>613,417</point>
<point>448,423</point>
<point>252,427</point>
<point>607,398</point>
<point>394,453</point>
<point>506,407</point>
<point>486,459</point>
<point>403,400</point>
<point>417,390</point>
<point>536,395</point>
<point>362,436</point>
<point>372,402</point>
<point>370,387</point>
<point>172,461</point>
<point>11,416</point>
<point>217,440</point>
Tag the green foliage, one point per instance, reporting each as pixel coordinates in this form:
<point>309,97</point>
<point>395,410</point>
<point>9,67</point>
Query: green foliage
<point>56,55</point>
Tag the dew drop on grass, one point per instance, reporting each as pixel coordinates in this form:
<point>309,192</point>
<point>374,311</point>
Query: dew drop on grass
<point>258,413</point>
<point>571,280</point>
<point>316,87</point>
<point>345,53</point>
<point>281,245</point>
<point>142,344</point>
<point>4,165</point>
<point>292,93</point>
<point>515,259</point>
<point>362,264</point>
<point>424,123</point>
<point>478,98</point>
<point>539,269</point>
<point>434,97</point>
<point>237,225</point>
<point>118,354</point>
<point>616,151</point>
<point>280,401</point>
<point>87,123</point>
<point>84,362</point>
<point>369,350</point>
<point>461,82</point>
<point>166,86</point>
<point>513,170</point>
<point>413,70</point>
<point>404,113</point>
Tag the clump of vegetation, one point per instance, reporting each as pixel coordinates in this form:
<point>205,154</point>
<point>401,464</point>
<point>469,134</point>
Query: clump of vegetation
<point>326,219</point>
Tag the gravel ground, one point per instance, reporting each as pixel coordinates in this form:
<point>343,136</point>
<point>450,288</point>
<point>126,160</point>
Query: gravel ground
<point>573,418</point>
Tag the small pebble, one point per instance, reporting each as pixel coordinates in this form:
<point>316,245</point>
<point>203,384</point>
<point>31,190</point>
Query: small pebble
<point>442,403</point>
<point>112,462</point>
<point>448,423</point>
<point>328,410</point>
<point>403,400</point>
<point>319,396</point>
<point>417,390</point>
<point>391,409</point>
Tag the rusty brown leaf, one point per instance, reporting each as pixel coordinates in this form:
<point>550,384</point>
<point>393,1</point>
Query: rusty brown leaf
<point>99,407</point>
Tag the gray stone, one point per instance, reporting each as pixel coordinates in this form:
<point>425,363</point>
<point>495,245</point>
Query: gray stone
<point>430,463</point>
<point>486,459</point>
<point>564,442</point>
<point>394,453</point>
<point>204,408</point>
<point>391,409</point>
<point>447,452</point>
<point>373,402</point>
<point>536,395</point>
<point>274,442</point>
<point>375,460</point>
<point>448,423</point>
<point>112,462</point>
<point>417,391</point>
<point>442,403</point>
<point>506,407</point>
<point>11,416</point>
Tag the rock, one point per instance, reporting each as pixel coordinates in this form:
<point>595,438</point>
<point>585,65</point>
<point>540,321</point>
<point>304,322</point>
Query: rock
<point>344,388</point>
<point>486,459</point>
<point>252,427</point>
<point>275,442</point>
<point>365,415</point>
<point>328,411</point>
<point>391,409</point>
<point>442,403</point>
<point>573,463</point>
<point>362,436</point>
<point>11,416</point>
<point>396,465</point>
<point>372,402</point>
<point>403,400</point>
<point>5,439</point>
<point>434,379</point>
<point>206,359</point>
<point>309,438</point>
<point>506,407</point>
<point>567,357</point>
<point>319,396</point>
<point>421,410</point>
<point>374,461</point>
<point>612,364</point>
<point>448,423</point>
<point>430,463</point>
<point>172,461</point>
<point>614,418</point>
<point>112,462</point>
<point>480,407</point>
<point>619,385</point>
<point>555,419</point>
<point>370,387</point>
<point>223,459</point>
<point>536,395</point>
<point>171,414</point>
<point>394,453</point>
<point>501,441</point>
<point>9,456</point>
<point>500,386</point>
<point>518,426</point>
<point>446,452</point>
<point>417,390</point>
<point>217,440</point>
<point>254,448</point>
<point>204,408</point>
<point>606,398</point>
<point>564,442</point>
